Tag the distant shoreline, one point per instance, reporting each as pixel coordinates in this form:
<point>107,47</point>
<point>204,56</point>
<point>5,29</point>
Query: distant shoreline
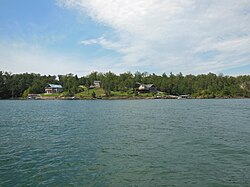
<point>109,86</point>
<point>122,98</point>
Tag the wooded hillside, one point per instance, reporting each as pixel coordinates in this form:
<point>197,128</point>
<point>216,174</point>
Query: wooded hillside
<point>209,85</point>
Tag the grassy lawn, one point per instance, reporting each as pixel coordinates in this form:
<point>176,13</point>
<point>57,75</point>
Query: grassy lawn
<point>120,94</point>
<point>146,94</point>
<point>99,92</point>
<point>88,93</point>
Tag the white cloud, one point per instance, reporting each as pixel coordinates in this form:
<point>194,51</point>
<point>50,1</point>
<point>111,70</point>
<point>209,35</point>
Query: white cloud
<point>173,35</point>
<point>26,57</point>
<point>103,42</point>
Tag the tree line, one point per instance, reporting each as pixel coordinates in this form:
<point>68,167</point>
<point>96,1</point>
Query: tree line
<point>206,85</point>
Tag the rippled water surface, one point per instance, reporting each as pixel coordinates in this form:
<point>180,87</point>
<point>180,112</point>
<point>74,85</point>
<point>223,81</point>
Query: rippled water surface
<point>125,143</point>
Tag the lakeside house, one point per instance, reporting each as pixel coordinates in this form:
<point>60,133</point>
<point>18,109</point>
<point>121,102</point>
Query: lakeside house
<point>53,88</point>
<point>145,88</point>
<point>96,84</point>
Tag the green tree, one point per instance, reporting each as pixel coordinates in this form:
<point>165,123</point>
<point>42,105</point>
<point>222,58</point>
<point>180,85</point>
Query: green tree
<point>93,94</point>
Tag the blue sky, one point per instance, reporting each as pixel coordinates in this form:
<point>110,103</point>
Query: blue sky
<point>155,36</point>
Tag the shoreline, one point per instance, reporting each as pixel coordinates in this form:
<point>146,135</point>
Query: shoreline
<point>121,98</point>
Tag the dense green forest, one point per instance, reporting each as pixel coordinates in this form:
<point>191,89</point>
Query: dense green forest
<point>209,85</point>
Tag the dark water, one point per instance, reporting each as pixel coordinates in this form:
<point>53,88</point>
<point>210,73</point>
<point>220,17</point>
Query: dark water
<point>125,143</point>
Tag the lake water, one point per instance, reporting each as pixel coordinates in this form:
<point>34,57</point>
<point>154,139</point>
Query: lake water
<point>125,143</point>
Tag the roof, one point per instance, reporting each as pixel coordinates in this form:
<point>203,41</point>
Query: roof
<point>54,86</point>
<point>146,86</point>
<point>149,85</point>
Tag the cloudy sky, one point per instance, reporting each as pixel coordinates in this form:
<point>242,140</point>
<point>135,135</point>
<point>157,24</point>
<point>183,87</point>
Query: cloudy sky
<point>155,36</point>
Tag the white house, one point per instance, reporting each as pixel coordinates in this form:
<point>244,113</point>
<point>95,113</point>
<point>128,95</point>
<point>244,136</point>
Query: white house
<point>53,88</point>
<point>97,84</point>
